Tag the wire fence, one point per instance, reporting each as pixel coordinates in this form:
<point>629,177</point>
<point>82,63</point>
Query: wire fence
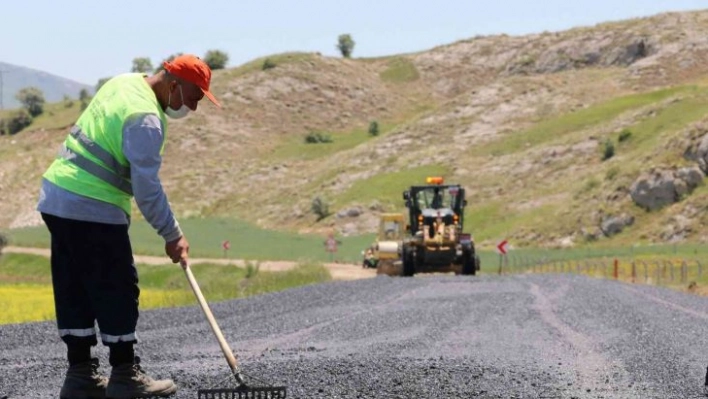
<point>654,271</point>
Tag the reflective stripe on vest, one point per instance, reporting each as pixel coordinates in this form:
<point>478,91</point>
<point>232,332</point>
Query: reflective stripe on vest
<point>89,166</point>
<point>98,152</point>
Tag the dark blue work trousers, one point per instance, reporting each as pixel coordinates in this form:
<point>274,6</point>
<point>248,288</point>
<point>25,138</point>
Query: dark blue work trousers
<point>95,281</point>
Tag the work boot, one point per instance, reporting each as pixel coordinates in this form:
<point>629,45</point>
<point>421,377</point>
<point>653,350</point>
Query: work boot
<point>130,381</point>
<point>83,381</point>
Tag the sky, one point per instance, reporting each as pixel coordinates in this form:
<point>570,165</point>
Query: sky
<point>88,40</point>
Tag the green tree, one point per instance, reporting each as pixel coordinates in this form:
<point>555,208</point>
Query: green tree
<point>168,59</point>
<point>100,83</point>
<point>142,65</point>
<point>320,207</point>
<point>374,128</point>
<point>216,59</point>
<point>84,95</point>
<point>85,98</point>
<point>345,45</point>
<point>32,99</point>
<point>609,150</point>
<point>18,121</point>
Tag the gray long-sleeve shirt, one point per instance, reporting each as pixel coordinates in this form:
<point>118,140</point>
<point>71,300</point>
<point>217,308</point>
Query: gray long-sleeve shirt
<point>142,140</point>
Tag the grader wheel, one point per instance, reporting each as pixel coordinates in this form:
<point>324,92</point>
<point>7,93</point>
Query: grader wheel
<point>389,267</point>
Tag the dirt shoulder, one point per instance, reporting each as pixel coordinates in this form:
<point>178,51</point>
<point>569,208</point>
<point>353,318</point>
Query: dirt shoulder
<point>339,271</point>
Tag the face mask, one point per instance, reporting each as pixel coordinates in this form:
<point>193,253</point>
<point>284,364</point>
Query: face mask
<point>177,113</point>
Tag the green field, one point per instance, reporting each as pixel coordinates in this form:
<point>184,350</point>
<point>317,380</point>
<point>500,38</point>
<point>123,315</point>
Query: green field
<point>26,292</point>
<point>207,235</point>
<point>252,243</point>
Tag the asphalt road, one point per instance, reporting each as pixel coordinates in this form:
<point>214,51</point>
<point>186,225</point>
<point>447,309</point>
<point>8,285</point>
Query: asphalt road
<point>526,336</point>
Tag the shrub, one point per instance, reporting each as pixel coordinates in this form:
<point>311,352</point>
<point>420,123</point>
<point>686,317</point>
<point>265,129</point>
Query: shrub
<point>252,269</point>
<point>609,150</point>
<point>320,207</point>
<point>374,128</point>
<point>316,137</point>
<point>20,120</point>
<point>268,64</point>
<point>624,135</point>
<point>3,242</point>
<point>216,59</point>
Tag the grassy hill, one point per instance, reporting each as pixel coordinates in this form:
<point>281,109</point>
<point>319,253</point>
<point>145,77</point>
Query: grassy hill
<point>521,121</point>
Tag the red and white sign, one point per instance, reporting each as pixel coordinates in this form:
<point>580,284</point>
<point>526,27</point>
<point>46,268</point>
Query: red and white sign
<point>226,245</point>
<point>331,244</point>
<point>502,247</point>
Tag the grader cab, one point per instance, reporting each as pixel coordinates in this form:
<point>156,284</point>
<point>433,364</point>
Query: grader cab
<point>437,241</point>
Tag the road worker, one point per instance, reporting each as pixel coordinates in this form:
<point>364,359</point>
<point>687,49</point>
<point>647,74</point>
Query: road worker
<point>112,154</point>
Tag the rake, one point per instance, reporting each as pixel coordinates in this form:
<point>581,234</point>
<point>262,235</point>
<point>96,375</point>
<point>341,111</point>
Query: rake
<point>242,391</point>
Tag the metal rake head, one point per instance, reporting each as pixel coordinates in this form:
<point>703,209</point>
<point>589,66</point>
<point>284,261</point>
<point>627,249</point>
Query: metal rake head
<point>243,393</point>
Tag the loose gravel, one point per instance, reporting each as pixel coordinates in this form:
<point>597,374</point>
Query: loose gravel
<point>524,336</point>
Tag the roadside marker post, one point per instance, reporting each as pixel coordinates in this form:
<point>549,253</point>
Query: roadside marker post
<point>501,248</point>
<point>331,246</point>
<point>226,245</point>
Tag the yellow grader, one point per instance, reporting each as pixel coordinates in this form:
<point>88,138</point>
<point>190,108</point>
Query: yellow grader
<point>433,241</point>
<point>385,254</point>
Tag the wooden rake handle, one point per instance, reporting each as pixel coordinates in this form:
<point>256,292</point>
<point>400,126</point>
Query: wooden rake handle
<point>230,358</point>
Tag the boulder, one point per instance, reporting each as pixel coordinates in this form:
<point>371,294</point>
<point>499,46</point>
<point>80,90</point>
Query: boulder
<point>655,190</point>
<point>612,225</point>
<point>350,212</point>
<point>701,154</point>
<point>693,176</point>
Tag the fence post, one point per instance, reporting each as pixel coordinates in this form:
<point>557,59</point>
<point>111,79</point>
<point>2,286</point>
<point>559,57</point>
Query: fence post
<point>616,269</point>
<point>671,270</point>
<point>634,272</point>
<point>700,269</point>
<point>646,272</point>
<point>684,272</point>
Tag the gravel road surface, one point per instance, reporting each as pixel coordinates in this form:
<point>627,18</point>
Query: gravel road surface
<point>524,336</point>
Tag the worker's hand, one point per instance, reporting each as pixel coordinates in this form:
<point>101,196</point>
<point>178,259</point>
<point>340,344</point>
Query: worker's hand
<point>178,250</point>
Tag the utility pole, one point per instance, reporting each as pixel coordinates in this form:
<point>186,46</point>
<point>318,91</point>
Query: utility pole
<point>2,71</point>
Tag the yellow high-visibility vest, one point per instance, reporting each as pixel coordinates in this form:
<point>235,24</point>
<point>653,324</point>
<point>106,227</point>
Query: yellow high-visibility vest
<point>91,161</point>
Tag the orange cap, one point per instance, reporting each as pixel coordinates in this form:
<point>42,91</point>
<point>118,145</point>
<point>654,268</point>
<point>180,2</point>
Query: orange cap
<point>192,69</point>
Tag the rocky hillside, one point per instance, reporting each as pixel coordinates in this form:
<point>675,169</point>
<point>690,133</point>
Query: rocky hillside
<point>594,134</point>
